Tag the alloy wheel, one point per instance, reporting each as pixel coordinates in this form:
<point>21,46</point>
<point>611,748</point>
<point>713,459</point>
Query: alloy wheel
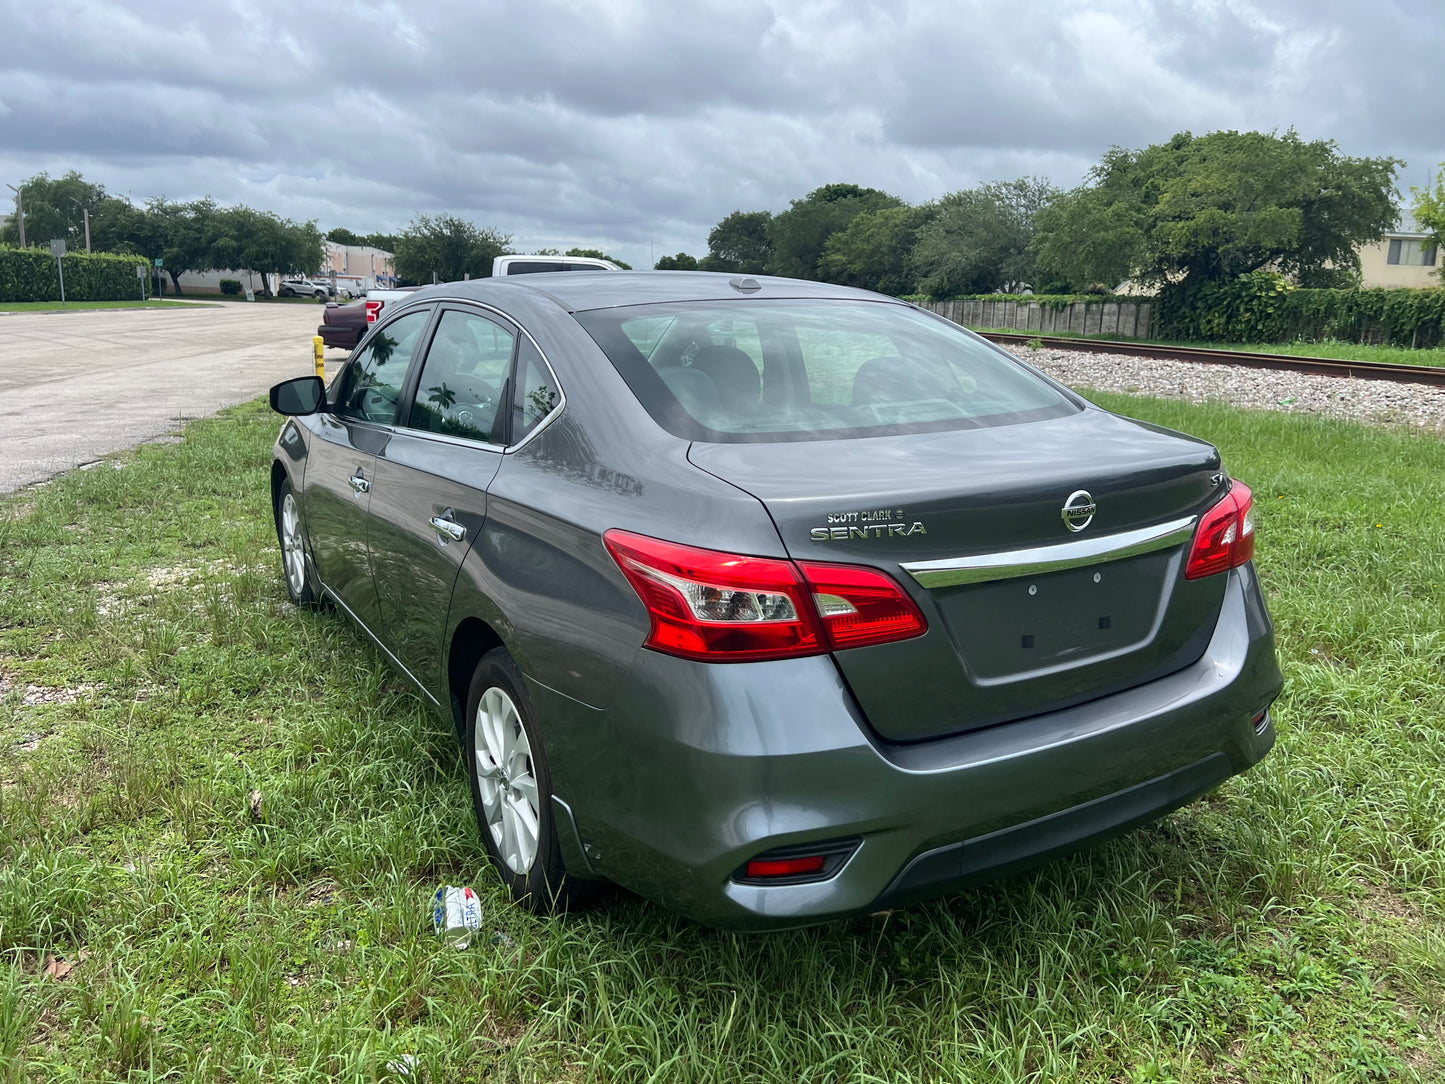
<point>506,781</point>
<point>293,552</point>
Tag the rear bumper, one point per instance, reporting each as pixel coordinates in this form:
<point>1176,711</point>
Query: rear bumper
<point>697,768</point>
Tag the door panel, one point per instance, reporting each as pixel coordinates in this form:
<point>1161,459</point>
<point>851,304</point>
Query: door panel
<point>431,484</point>
<point>340,469</point>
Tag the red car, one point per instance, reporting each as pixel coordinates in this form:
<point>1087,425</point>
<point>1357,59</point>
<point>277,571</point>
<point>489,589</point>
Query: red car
<point>343,325</point>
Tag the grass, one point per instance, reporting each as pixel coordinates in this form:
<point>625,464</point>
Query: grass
<point>56,306</point>
<point>1328,348</point>
<point>264,300</point>
<point>1290,927</point>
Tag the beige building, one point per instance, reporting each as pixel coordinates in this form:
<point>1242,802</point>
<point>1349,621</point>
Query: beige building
<point>1401,258</point>
<point>373,264</point>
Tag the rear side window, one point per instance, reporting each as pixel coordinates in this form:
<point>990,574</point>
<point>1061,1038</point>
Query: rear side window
<point>371,384</point>
<point>463,379</point>
<point>755,370</point>
<point>536,395</point>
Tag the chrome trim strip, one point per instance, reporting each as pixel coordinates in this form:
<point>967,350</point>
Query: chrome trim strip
<point>983,567</point>
<point>374,639</point>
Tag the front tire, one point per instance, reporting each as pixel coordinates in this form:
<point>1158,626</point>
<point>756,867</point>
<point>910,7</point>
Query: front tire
<point>294,567</point>
<point>512,788</point>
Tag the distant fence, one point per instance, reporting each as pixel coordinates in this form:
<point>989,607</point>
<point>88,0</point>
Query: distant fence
<point>1126,319</point>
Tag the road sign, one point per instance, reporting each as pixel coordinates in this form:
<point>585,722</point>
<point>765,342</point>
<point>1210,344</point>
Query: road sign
<point>140,270</point>
<point>159,262</point>
<point>57,248</point>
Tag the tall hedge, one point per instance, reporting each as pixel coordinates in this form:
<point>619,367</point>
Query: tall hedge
<point>1264,307</point>
<point>30,274</point>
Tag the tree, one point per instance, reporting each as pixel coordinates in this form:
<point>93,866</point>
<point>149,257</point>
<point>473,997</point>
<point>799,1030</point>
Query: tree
<point>117,225</point>
<point>261,241</point>
<point>342,236</point>
<point>739,244</point>
<point>875,251</point>
<point>598,254</point>
<point>799,234</point>
<point>54,210</point>
<point>387,242</point>
<point>448,247</point>
<point>978,239</point>
<point>1429,209</point>
<point>1198,210</point>
<point>681,262</point>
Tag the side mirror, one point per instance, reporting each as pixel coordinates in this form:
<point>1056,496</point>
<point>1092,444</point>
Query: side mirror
<point>302,395</point>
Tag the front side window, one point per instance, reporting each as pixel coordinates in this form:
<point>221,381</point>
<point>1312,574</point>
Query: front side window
<point>371,386</point>
<point>463,379</point>
<point>758,370</point>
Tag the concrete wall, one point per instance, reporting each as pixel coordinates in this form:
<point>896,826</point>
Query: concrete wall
<point>1376,270</point>
<point>1126,319</point>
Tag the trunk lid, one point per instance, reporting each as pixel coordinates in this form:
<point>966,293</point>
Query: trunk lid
<point>1025,615</point>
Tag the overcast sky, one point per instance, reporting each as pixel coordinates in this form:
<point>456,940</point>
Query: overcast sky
<point>634,125</point>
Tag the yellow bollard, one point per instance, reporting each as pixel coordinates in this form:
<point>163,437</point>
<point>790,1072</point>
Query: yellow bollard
<point>318,351</point>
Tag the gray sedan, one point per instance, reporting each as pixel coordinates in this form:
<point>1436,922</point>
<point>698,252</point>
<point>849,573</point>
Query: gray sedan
<point>773,601</point>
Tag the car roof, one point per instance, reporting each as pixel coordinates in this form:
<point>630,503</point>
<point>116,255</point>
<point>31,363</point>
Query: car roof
<point>578,291</point>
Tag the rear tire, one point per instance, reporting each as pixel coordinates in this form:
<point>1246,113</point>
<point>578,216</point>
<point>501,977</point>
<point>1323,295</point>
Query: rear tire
<point>512,788</point>
<point>295,568</point>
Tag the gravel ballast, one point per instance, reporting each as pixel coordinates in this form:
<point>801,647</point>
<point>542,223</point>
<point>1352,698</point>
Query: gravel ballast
<point>1417,405</point>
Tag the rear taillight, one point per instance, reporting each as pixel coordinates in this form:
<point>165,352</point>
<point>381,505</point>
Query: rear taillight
<point>373,310</point>
<point>721,607</point>
<point>1225,538</point>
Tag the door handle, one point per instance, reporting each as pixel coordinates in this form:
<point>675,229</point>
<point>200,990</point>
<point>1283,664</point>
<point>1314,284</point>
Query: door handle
<point>447,529</point>
<point>359,484</point>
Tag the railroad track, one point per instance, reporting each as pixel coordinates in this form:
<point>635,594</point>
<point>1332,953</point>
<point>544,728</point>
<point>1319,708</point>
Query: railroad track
<point>1360,370</point>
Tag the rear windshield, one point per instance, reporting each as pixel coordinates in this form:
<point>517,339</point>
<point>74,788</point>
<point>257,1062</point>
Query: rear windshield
<point>754,370</point>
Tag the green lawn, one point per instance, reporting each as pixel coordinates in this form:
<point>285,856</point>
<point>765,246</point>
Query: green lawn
<point>56,306</point>
<point>1330,348</point>
<point>260,300</point>
<point>1290,927</point>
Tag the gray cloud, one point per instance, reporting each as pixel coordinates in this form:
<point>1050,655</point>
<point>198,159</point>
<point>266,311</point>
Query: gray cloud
<point>635,125</point>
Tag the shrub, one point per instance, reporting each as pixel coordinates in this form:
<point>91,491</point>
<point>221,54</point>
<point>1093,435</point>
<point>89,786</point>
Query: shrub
<point>231,286</point>
<point>30,274</point>
<point>1264,307</point>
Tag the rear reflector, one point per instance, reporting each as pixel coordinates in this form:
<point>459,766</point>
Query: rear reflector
<point>785,867</point>
<point>723,607</point>
<point>797,864</point>
<point>1225,538</point>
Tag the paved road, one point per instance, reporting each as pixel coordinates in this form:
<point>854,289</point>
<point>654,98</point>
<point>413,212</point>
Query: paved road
<point>75,386</point>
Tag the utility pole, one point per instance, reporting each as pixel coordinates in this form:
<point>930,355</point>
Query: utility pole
<point>84,210</point>
<point>19,213</point>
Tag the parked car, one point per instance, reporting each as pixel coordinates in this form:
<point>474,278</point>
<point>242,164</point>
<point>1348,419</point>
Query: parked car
<point>773,601</point>
<point>531,265</point>
<point>304,288</point>
<point>343,325</point>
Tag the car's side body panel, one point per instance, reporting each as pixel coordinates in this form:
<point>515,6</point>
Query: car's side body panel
<point>415,561</point>
<point>341,458</point>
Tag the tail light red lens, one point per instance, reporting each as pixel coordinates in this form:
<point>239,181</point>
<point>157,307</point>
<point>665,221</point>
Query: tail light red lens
<point>1225,538</point>
<point>861,606</point>
<point>722,607</point>
<point>373,310</point>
